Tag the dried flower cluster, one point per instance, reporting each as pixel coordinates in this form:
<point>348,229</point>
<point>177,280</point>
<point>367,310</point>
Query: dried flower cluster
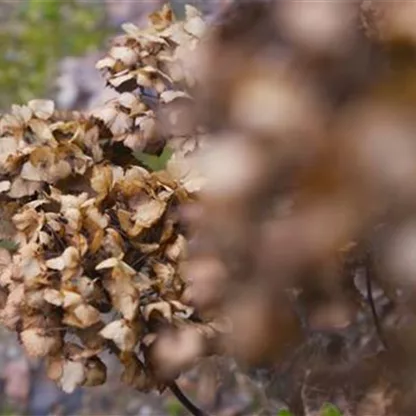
<point>98,235</point>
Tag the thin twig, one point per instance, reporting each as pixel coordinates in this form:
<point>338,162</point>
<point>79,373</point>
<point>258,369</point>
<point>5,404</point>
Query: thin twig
<point>369,275</point>
<point>177,392</point>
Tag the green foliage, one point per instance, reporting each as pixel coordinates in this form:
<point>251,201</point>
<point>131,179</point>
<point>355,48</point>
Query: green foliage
<point>174,408</point>
<point>35,35</point>
<point>329,409</point>
<point>153,162</point>
<point>284,412</point>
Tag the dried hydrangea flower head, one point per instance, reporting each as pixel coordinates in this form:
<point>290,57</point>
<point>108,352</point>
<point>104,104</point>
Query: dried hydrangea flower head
<point>94,212</point>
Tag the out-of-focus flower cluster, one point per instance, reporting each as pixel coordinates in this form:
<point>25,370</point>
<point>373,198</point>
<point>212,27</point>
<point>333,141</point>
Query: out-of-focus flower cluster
<point>310,174</point>
<point>98,235</point>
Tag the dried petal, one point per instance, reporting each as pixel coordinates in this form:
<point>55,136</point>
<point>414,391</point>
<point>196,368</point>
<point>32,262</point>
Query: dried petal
<point>69,259</point>
<point>134,374</point>
<point>42,108</point>
<point>121,333</point>
<point>38,344</point>
<point>82,316</point>
<point>73,375</point>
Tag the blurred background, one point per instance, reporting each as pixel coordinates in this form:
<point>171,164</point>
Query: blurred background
<point>48,49</point>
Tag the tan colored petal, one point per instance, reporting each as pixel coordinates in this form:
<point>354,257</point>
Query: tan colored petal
<point>133,374</point>
<point>113,242</point>
<point>120,124</point>
<point>124,295</point>
<point>70,298</point>
<point>73,375</point>
<point>69,259</point>
<point>124,54</point>
<point>42,131</point>
<point>42,108</point>
<point>102,180</point>
<point>82,316</point>
<point>95,217</point>
<point>32,173</point>
<point>163,18</point>
<point>121,333</point>
<point>61,170</point>
<point>107,114</point>
<point>106,62</point>
<point>26,219</point>
<point>10,315</point>
<point>4,186</point>
<point>54,367</point>
<point>74,219</point>
<point>164,272</point>
<point>38,344</point>
<point>35,299</point>
<point>181,310</point>
<point>163,308</point>
<point>53,297</point>
<point>148,212</point>
<point>195,26</point>
<point>120,79</point>
<point>178,249</point>
<point>107,263</point>
<point>8,147</point>
<point>170,95</point>
<point>21,188</point>
<point>22,112</point>
<point>31,264</point>
<point>128,100</point>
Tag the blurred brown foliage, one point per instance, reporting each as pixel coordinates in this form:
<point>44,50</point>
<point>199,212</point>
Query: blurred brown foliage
<point>305,225</point>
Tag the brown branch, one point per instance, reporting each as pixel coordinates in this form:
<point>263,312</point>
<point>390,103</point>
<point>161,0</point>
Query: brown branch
<point>177,392</point>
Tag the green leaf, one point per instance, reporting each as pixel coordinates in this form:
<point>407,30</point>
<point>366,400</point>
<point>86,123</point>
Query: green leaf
<point>174,408</point>
<point>284,412</point>
<point>9,245</point>
<point>154,163</point>
<point>329,409</point>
